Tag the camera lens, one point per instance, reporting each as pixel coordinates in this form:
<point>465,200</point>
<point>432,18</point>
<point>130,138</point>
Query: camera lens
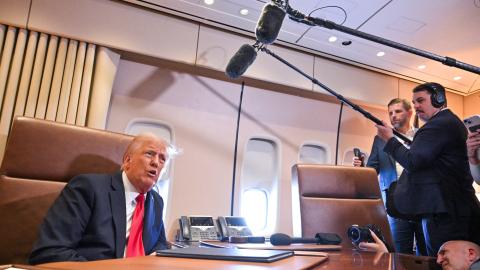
<point>354,234</point>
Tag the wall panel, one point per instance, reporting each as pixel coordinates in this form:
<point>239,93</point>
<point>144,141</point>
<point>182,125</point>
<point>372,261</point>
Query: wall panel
<point>14,12</point>
<point>356,83</point>
<point>290,121</point>
<point>471,104</point>
<point>216,47</point>
<point>455,103</point>
<point>358,131</point>
<point>117,25</point>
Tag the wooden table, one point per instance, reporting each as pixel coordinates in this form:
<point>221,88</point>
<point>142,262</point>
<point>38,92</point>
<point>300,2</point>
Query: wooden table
<point>337,260</point>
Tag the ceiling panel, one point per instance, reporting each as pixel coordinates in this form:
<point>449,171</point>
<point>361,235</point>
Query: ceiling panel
<point>444,27</point>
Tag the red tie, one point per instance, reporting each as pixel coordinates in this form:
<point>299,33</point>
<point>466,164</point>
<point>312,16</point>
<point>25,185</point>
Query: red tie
<point>135,243</point>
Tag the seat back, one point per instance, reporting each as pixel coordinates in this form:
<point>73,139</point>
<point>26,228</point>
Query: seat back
<point>40,157</point>
<point>332,198</point>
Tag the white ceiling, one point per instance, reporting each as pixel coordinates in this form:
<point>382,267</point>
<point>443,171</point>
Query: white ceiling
<point>443,27</point>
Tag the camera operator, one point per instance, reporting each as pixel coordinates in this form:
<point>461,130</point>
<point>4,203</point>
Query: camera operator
<point>452,255</point>
<point>459,255</point>
<point>436,184</point>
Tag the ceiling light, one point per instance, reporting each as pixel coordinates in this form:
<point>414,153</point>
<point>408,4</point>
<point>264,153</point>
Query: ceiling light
<point>380,54</point>
<point>421,67</point>
<point>332,39</point>
<point>244,11</point>
<point>209,2</point>
<point>456,78</point>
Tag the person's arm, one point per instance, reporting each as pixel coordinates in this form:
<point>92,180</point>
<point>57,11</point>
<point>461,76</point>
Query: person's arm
<point>473,146</point>
<point>424,150</point>
<point>64,224</point>
<point>475,170</point>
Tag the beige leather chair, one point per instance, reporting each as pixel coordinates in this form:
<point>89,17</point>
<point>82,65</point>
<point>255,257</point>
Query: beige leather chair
<point>332,198</point>
<point>40,157</point>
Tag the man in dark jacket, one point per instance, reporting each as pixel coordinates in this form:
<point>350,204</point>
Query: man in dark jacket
<point>436,184</point>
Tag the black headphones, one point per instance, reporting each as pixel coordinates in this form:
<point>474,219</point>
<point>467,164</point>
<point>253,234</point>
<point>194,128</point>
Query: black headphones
<point>437,93</point>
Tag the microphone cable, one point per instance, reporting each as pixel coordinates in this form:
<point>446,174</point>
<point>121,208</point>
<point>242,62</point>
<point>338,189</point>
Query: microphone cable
<point>236,148</point>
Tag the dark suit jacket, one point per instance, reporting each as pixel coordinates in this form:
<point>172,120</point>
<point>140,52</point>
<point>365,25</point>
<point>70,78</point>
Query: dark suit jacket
<point>88,222</point>
<point>436,176</point>
<point>383,163</point>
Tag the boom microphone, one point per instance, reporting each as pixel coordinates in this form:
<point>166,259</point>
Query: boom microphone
<point>281,239</point>
<point>269,23</point>
<point>242,59</point>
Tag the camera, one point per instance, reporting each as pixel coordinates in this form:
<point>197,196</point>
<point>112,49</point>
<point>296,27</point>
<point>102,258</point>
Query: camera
<point>358,234</point>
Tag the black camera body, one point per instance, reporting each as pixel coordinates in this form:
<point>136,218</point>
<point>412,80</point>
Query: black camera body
<point>358,234</point>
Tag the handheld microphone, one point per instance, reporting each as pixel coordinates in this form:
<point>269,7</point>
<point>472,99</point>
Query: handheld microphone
<point>281,239</point>
<point>240,61</point>
<point>269,23</point>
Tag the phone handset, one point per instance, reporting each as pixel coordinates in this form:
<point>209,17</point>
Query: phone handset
<point>222,226</point>
<point>184,228</point>
<point>233,226</point>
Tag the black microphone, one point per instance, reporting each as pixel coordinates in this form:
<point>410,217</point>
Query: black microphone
<point>281,239</point>
<point>269,23</point>
<point>242,59</point>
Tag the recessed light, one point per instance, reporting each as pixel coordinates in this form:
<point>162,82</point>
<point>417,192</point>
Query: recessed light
<point>421,67</point>
<point>456,78</point>
<point>209,2</point>
<point>380,54</point>
<point>332,39</point>
<point>244,11</point>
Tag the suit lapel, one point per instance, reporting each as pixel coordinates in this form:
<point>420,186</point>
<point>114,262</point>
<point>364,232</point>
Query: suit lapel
<point>117,202</point>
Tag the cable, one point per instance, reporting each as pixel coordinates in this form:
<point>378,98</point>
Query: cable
<point>309,14</point>
<point>239,113</point>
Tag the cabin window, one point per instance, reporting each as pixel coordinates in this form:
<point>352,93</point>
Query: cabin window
<point>255,205</point>
<point>164,131</point>
<point>313,153</point>
<point>259,177</point>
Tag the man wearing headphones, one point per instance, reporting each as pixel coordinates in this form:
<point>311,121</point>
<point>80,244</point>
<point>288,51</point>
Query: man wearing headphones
<point>436,185</point>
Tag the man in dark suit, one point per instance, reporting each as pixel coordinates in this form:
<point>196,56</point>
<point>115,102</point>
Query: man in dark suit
<point>404,231</point>
<point>100,216</point>
<point>436,184</point>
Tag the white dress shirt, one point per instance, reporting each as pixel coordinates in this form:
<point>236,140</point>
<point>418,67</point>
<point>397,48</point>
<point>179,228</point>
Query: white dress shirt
<point>410,133</point>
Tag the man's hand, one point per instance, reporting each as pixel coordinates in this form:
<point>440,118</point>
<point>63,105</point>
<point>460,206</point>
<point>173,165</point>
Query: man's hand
<point>358,162</point>
<point>473,144</point>
<point>377,246</point>
<point>385,132</point>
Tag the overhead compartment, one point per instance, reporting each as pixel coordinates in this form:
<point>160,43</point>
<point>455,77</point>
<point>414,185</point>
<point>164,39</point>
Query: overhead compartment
<point>14,12</point>
<point>357,83</point>
<point>117,25</point>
